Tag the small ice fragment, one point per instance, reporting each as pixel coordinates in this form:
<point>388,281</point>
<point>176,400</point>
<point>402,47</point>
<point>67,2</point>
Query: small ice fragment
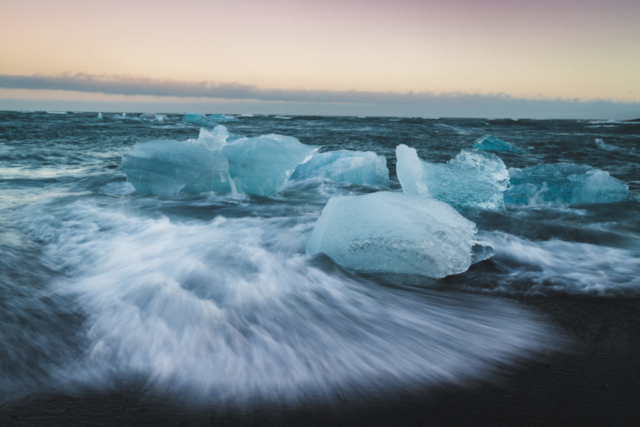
<point>492,143</point>
<point>388,232</point>
<point>193,117</point>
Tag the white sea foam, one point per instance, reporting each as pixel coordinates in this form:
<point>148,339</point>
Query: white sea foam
<point>557,266</point>
<point>231,309</point>
<point>606,147</point>
<point>454,129</point>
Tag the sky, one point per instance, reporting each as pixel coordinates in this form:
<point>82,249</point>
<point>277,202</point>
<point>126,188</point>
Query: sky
<point>478,58</point>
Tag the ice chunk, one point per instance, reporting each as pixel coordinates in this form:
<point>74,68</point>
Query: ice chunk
<point>471,179</point>
<point>153,117</point>
<point>170,167</point>
<point>492,143</point>
<point>564,183</point>
<point>220,118</point>
<point>410,171</point>
<point>261,165</point>
<point>387,232</point>
<point>356,167</point>
<point>194,118</point>
<point>604,146</point>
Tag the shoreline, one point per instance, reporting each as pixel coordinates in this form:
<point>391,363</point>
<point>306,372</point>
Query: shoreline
<point>595,382</point>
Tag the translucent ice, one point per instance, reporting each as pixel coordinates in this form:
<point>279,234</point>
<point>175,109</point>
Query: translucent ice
<point>170,167</point>
<point>387,232</point>
<point>214,139</point>
<point>471,179</point>
<point>492,143</point>
<point>410,171</point>
<point>194,118</point>
<point>564,183</point>
<point>356,167</point>
<point>261,165</point>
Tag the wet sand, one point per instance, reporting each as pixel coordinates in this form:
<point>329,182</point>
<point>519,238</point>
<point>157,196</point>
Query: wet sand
<point>596,381</point>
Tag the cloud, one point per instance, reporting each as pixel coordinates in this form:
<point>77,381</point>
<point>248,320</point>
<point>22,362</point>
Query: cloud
<point>122,85</point>
<point>446,104</point>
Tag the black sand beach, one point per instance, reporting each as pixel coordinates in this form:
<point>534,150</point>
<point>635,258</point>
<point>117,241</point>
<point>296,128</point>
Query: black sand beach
<point>595,382</point>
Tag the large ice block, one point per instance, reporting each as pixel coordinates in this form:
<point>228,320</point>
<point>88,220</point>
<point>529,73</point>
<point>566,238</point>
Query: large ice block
<point>169,167</point>
<point>564,183</point>
<point>356,167</point>
<point>493,143</point>
<point>388,232</point>
<point>261,165</point>
<point>471,179</point>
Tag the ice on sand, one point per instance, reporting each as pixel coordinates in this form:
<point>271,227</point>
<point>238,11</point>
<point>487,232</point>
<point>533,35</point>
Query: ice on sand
<point>387,232</point>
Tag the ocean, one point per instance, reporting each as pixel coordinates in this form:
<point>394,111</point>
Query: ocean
<point>213,299</point>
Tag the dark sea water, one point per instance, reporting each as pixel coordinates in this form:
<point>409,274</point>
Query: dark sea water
<point>213,296</point>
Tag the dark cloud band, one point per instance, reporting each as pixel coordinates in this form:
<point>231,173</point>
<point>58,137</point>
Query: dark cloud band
<point>119,85</point>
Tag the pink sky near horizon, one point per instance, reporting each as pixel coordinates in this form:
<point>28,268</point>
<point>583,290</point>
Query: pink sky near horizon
<point>553,49</point>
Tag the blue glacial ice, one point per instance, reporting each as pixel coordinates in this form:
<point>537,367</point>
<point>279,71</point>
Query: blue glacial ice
<point>167,167</point>
<point>260,166</point>
<point>206,121</point>
<point>355,167</point>
<point>564,183</point>
<point>471,179</point>
<point>193,118</point>
<point>492,143</point>
<point>153,117</point>
<point>217,161</point>
<point>388,232</point>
